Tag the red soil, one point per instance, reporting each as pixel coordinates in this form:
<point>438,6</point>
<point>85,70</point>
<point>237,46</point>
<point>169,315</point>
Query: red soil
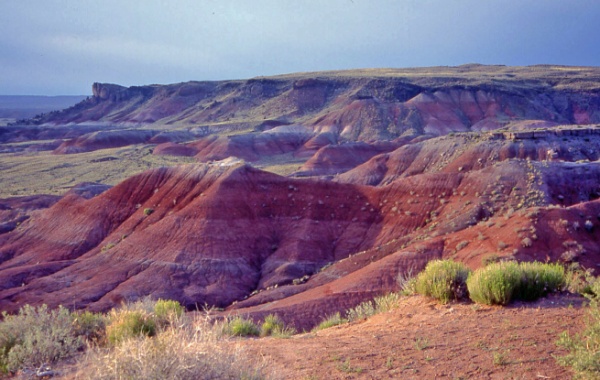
<point>424,340</point>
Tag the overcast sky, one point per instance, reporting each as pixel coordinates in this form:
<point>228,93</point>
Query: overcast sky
<point>52,47</point>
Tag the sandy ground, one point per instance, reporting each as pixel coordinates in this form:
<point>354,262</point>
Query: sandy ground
<point>424,340</point>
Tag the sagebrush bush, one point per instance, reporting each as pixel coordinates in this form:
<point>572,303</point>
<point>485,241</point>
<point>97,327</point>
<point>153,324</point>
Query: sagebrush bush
<point>167,311</point>
<point>90,326</point>
<point>443,280</point>
<point>186,352</point>
<point>36,335</point>
<point>126,323</point>
<point>594,289</point>
<point>539,279</point>
<point>495,283</point>
<point>502,282</point>
<point>239,326</point>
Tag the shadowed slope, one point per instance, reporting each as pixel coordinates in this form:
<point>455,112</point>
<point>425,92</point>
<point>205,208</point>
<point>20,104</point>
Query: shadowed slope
<point>206,233</point>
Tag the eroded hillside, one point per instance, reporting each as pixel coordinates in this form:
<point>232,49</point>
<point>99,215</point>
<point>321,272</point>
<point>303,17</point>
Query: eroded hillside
<point>383,171</point>
<point>230,235</point>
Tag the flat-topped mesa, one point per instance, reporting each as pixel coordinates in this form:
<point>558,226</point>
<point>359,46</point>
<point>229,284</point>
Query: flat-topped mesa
<point>356,105</point>
<point>543,133</point>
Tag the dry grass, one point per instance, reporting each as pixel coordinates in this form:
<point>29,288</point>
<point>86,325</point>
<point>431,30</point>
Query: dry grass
<point>142,340</point>
<point>192,350</point>
<point>563,77</point>
<point>283,164</point>
<point>584,347</point>
<point>45,173</point>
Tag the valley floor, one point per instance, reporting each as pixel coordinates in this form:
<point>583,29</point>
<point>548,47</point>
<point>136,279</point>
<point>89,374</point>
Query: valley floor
<point>425,340</point>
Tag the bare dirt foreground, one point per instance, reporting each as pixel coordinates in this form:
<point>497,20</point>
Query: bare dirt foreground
<point>425,340</point>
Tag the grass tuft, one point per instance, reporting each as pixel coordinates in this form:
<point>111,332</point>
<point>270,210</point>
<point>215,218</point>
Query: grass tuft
<point>332,320</point>
<point>274,326</point>
<point>538,279</point>
<point>239,326</point>
<point>361,311</point>
<point>584,347</point>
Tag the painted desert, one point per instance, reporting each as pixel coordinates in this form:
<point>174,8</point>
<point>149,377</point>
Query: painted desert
<point>305,201</point>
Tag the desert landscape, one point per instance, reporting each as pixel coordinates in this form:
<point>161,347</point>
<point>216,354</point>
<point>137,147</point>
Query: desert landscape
<point>304,195</point>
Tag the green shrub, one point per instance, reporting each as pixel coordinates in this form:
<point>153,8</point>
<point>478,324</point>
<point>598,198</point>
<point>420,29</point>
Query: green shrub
<point>584,348</point>
<point>332,320</point>
<point>148,211</point>
<point>126,324</point>
<point>239,326</point>
<point>495,283</point>
<point>443,280</point>
<point>167,311</point>
<point>35,336</point>
<point>274,326</point>
<point>594,289</point>
<point>538,279</point>
<point>90,326</point>
<point>501,282</point>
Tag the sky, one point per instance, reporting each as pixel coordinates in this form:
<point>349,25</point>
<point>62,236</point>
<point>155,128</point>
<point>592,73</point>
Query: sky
<point>61,47</point>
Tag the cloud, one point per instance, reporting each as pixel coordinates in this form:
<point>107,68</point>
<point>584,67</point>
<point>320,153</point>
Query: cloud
<point>129,50</point>
<point>63,44</point>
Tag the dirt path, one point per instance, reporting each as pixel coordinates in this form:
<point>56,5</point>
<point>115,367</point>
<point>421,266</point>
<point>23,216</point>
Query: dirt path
<point>424,340</point>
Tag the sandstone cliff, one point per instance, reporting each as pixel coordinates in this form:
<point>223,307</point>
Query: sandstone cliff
<point>356,105</point>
